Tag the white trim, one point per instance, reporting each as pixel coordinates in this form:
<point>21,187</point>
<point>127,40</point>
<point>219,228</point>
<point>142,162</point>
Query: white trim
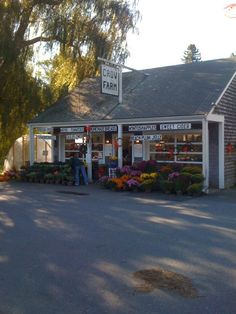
<point>215,117</point>
<point>195,118</point>
<point>222,94</point>
<point>120,145</point>
<point>205,153</point>
<point>89,158</point>
<point>221,156</point>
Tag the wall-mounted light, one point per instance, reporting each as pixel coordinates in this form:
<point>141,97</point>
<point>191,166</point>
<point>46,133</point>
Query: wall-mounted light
<point>108,138</point>
<point>137,142</point>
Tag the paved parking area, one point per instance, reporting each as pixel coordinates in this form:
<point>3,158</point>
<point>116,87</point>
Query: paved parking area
<point>68,253</point>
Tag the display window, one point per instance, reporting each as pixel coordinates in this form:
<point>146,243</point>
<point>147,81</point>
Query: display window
<point>182,148</point>
<point>97,146</point>
<point>75,144</point>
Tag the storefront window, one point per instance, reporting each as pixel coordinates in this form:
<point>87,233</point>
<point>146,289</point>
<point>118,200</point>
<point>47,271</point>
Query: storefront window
<point>97,146</point>
<point>75,144</point>
<point>183,148</point>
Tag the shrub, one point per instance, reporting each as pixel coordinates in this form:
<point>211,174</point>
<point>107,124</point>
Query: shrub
<point>148,184</point>
<point>195,189</point>
<point>167,186</point>
<point>165,171</point>
<point>181,183</point>
<point>197,178</point>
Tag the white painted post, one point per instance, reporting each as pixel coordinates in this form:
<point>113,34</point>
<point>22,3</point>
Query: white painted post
<point>120,146</point>
<point>89,160</point>
<point>221,155</point>
<point>205,153</point>
<point>31,145</point>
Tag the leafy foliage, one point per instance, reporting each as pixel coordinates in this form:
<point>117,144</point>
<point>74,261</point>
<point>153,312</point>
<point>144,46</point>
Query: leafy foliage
<point>75,31</point>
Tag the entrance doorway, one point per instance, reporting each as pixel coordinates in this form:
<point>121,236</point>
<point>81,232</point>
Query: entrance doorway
<point>127,150</point>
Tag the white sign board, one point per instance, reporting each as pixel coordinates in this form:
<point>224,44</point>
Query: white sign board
<point>175,126</point>
<point>148,127</point>
<point>44,129</point>
<point>79,129</point>
<point>73,137</point>
<point>46,137</point>
<point>151,137</point>
<point>138,150</point>
<point>109,80</point>
<point>108,128</point>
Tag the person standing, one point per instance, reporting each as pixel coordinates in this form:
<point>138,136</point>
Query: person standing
<point>77,166</point>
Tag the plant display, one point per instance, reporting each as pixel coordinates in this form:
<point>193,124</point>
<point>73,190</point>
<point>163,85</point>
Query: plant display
<point>167,178</point>
<point>59,173</point>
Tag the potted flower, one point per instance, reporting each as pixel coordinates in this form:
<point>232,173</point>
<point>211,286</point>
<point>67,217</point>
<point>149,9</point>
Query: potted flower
<point>113,162</point>
<point>132,184</point>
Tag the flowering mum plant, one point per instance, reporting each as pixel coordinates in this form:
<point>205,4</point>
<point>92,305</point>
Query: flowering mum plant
<point>173,175</point>
<point>132,184</point>
<point>113,158</point>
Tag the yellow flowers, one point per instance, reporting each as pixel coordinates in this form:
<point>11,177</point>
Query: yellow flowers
<point>113,158</point>
<point>148,176</point>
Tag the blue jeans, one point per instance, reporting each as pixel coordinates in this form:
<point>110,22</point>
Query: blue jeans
<point>77,174</point>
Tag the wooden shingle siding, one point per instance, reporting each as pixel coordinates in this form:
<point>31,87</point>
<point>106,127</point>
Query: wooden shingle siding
<point>227,107</point>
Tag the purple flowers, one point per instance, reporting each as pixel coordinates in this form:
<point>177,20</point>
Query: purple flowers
<point>173,175</point>
<point>132,183</point>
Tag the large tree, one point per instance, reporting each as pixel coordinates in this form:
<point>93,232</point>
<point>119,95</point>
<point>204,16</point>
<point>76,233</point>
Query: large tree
<point>76,32</point>
<point>191,54</point>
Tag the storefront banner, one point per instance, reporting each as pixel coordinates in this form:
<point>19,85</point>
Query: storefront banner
<point>73,137</point>
<point>175,126</point>
<point>146,137</point>
<point>146,127</point>
<point>46,137</point>
<point>107,128</point>
<point>79,129</point>
<point>44,129</point>
<point>109,80</point>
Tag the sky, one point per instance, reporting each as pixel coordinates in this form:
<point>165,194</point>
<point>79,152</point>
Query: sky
<point>167,28</point>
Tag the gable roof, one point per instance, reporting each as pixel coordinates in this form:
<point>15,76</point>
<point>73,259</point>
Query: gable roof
<point>180,90</point>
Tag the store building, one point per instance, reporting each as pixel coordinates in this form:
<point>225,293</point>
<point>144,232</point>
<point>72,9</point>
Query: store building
<point>177,114</point>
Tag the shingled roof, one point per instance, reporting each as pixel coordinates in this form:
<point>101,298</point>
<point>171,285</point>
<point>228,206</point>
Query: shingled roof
<point>180,90</point>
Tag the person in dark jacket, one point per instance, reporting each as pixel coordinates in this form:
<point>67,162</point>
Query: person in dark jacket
<point>77,166</point>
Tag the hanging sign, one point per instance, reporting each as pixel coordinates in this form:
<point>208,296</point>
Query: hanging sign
<point>145,127</point>
<point>146,137</point>
<point>79,129</point>
<point>175,126</point>
<point>109,80</point>
<point>46,137</point>
<point>107,128</point>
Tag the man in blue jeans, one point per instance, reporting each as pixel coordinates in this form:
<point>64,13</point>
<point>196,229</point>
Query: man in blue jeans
<point>77,166</point>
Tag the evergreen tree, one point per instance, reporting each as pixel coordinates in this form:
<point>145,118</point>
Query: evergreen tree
<point>191,54</point>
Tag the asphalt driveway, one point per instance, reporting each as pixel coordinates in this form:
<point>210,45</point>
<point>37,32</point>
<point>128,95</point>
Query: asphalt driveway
<point>68,253</point>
